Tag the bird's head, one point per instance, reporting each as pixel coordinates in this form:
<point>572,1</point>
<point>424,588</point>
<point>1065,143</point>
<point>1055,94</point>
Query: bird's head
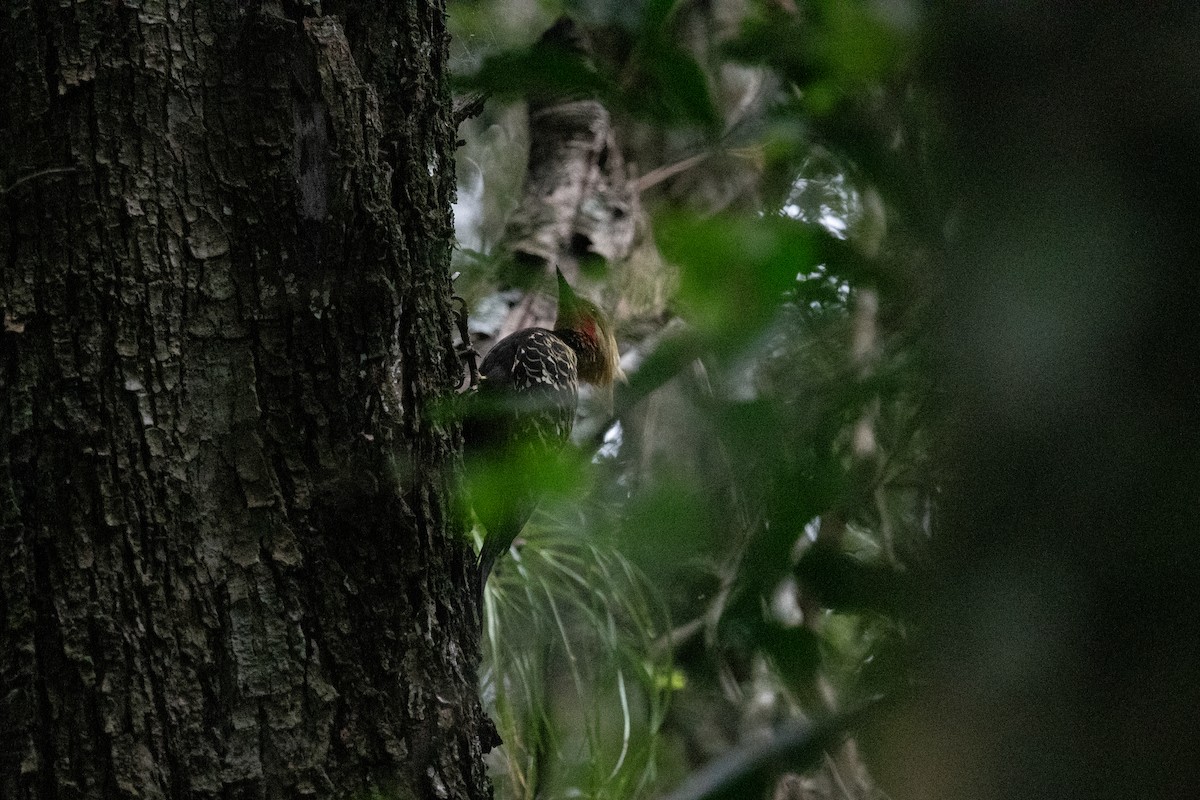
<point>599,359</point>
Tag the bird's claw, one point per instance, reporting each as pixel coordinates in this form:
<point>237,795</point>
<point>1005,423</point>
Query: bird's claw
<point>465,351</point>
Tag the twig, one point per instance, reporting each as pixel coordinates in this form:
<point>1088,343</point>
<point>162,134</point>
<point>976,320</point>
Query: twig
<point>468,107</point>
<point>792,745</point>
<point>41,173</point>
<point>832,766</point>
<point>677,636</point>
<point>657,176</point>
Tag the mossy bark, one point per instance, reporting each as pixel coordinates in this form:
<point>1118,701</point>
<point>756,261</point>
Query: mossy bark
<point>227,562</point>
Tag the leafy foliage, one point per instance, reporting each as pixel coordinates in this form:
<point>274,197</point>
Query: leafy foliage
<point>916,424</point>
<point>782,501</point>
<point>574,675</point>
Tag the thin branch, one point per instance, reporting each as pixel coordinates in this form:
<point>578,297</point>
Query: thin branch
<point>832,766</point>
<point>41,173</point>
<point>677,636</point>
<point>657,176</point>
<point>794,745</point>
<point>468,107</point>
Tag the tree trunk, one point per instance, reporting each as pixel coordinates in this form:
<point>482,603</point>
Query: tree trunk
<point>227,562</point>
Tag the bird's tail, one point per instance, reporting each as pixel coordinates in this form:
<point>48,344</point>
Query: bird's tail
<point>495,545</point>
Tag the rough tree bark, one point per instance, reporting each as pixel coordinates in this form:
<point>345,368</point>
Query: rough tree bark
<point>227,566</point>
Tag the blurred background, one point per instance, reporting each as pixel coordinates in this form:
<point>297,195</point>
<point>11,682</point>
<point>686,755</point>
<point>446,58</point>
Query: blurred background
<point>901,497</point>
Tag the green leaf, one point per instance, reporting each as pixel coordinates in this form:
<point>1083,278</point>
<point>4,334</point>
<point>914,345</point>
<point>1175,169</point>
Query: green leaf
<point>541,73</point>
<point>655,15</point>
<point>795,652</point>
<point>669,525</point>
<point>673,88</point>
<point>735,270</point>
<point>845,583</point>
<point>831,54</point>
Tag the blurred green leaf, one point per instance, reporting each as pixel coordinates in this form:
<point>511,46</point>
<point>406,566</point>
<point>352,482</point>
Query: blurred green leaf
<point>492,479</point>
<point>845,583</point>
<point>795,652</point>
<point>540,73</point>
<point>671,526</point>
<point>735,269</point>
<point>667,86</point>
<point>779,40</point>
<point>750,431</point>
<point>671,87</point>
<point>832,52</point>
<point>655,15</point>
<point>854,44</point>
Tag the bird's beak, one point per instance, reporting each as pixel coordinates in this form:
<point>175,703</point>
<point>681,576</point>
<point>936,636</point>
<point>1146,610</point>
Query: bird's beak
<point>566,295</point>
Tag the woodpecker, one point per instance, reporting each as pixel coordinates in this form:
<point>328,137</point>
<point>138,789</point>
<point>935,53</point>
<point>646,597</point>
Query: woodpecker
<point>525,409</point>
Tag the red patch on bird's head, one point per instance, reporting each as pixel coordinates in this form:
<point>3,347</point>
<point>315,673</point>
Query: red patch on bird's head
<point>582,323</point>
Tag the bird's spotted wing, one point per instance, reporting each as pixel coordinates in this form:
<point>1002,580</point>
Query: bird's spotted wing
<point>530,380</point>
